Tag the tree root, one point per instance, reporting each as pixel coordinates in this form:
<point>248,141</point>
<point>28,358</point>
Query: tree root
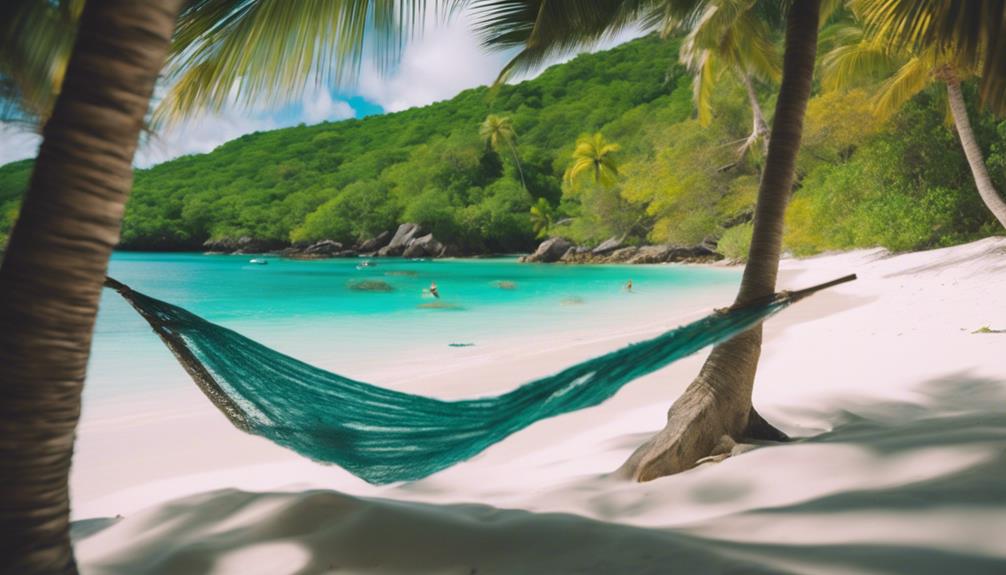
<point>710,421</point>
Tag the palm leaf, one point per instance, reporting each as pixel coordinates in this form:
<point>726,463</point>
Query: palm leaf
<point>973,30</point>
<point>266,52</point>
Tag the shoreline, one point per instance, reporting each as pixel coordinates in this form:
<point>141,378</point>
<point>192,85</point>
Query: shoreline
<point>916,418</point>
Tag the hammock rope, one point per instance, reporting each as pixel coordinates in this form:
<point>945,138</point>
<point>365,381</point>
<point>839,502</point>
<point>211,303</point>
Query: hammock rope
<point>382,435</point>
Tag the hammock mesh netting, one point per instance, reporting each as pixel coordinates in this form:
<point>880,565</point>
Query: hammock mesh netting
<point>382,435</point>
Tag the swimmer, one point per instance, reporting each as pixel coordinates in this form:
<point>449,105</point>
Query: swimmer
<point>434,291</point>
<point>628,286</point>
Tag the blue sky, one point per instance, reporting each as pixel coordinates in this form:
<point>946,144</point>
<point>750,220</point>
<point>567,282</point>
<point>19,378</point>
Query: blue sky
<point>444,60</point>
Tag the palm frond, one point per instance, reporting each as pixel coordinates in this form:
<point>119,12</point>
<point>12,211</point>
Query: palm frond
<point>910,79</point>
<point>267,52</point>
<point>973,30</point>
<point>36,37</point>
<point>856,60</point>
<point>548,29</point>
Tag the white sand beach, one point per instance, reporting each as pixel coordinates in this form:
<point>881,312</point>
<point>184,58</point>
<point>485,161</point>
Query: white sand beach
<point>900,404</point>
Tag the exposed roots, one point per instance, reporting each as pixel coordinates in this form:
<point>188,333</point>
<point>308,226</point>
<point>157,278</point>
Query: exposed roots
<point>712,420</point>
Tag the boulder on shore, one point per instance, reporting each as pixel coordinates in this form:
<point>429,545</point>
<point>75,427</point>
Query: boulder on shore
<point>609,245</point>
<point>401,239</point>
<point>424,247</point>
<point>622,255</point>
<point>375,243</point>
<point>327,248</point>
<point>550,250</point>
<point>243,245</point>
<point>651,255</point>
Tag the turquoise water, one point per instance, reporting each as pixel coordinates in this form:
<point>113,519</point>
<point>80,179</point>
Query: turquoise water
<point>310,310</point>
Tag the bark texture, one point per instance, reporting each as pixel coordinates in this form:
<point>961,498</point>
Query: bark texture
<point>51,277</point>
<point>986,189</point>
<point>715,410</point>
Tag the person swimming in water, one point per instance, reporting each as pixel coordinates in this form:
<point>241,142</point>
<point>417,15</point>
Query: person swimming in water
<point>628,286</point>
<point>434,291</point>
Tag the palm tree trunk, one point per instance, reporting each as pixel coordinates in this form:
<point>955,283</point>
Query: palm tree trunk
<point>715,411</point>
<point>758,127</point>
<point>993,201</point>
<point>516,160</point>
<point>51,277</point>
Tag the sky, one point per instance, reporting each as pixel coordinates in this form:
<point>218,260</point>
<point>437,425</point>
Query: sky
<point>444,60</point>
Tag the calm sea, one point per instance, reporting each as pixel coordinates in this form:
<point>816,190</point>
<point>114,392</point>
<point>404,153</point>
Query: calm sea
<point>315,311</point>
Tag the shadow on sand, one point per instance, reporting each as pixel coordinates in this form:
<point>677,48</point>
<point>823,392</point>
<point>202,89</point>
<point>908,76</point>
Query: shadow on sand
<point>328,532</point>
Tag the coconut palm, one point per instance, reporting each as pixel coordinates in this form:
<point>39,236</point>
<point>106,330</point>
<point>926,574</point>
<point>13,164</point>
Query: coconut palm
<point>51,276</point>
<point>595,156</point>
<point>542,217</point>
<point>730,37</point>
<point>715,410</point>
<point>898,73</point>
<point>497,131</point>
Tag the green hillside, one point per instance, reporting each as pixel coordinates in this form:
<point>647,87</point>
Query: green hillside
<point>904,184</point>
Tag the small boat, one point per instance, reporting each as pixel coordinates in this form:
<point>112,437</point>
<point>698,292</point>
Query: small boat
<point>258,261</point>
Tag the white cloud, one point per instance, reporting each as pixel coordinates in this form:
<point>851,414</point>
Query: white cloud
<point>199,135</point>
<point>320,106</point>
<point>443,61</point>
<point>17,143</point>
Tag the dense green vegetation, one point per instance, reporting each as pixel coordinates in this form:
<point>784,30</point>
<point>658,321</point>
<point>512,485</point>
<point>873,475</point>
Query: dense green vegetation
<point>903,184</point>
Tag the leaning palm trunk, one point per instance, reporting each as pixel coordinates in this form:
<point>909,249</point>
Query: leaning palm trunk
<point>51,277</point>
<point>715,411</point>
<point>516,160</point>
<point>993,201</point>
<point>759,130</point>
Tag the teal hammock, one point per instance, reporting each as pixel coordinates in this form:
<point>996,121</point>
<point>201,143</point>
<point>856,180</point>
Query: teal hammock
<point>382,435</point>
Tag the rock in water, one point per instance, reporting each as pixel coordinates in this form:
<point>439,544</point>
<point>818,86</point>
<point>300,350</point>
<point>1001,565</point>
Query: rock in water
<point>550,250</point>
<point>371,285</point>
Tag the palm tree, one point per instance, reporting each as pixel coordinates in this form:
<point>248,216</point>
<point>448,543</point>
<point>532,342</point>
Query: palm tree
<point>52,274</point>
<point>596,156</point>
<point>542,217</point>
<point>731,36</point>
<point>715,410</point>
<point>496,131</point>
<point>859,58</point>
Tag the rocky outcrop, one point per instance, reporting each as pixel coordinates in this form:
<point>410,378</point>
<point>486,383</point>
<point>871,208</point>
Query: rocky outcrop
<point>550,250</point>
<point>375,243</point>
<point>406,242</point>
<point>324,248</point>
<point>609,245</point>
<point>424,247</point>
<point>403,236</point>
<point>242,245</point>
<point>654,254</point>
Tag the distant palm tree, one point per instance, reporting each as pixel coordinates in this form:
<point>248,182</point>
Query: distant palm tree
<point>595,156</point>
<point>52,274</point>
<point>497,131</point>
<point>735,37</point>
<point>542,217</point>
<point>897,73</point>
